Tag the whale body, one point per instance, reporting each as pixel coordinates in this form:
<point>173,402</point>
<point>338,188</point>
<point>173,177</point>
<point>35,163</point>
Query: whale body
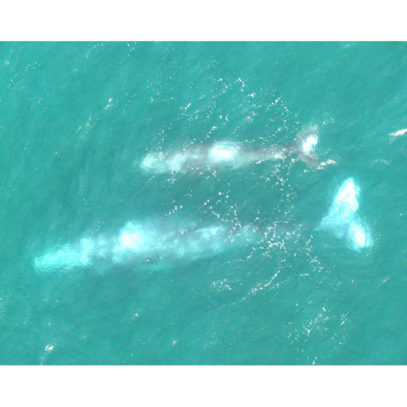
<point>144,243</point>
<point>230,154</point>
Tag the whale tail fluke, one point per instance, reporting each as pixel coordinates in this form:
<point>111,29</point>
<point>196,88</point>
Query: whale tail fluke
<point>343,219</point>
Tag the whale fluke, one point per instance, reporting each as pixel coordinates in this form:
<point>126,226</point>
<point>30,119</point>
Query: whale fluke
<point>343,219</point>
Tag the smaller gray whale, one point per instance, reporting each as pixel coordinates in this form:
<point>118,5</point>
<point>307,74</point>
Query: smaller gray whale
<point>231,154</point>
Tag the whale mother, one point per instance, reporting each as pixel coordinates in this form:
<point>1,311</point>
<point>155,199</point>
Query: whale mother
<point>158,243</point>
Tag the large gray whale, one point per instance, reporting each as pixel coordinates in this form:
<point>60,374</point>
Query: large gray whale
<point>159,243</point>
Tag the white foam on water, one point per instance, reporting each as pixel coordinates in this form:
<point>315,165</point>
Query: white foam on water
<point>399,133</point>
<point>309,144</point>
<point>278,155</point>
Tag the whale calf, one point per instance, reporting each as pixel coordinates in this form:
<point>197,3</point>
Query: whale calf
<point>343,219</point>
<point>230,154</point>
<point>148,243</point>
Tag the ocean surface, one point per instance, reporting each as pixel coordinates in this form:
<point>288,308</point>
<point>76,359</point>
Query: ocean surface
<point>110,257</point>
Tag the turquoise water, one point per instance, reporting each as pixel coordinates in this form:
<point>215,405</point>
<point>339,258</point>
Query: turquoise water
<point>76,120</point>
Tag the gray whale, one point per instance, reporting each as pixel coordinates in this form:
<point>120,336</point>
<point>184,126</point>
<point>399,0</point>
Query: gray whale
<point>230,154</point>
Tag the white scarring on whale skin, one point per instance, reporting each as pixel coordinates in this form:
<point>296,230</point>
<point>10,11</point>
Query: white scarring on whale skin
<point>343,220</point>
<point>160,163</point>
<point>199,157</point>
<point>223,152</point>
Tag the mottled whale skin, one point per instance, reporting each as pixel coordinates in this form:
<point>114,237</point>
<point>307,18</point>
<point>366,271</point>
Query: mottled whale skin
<point>144,243</point>
<point>230,154</point>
